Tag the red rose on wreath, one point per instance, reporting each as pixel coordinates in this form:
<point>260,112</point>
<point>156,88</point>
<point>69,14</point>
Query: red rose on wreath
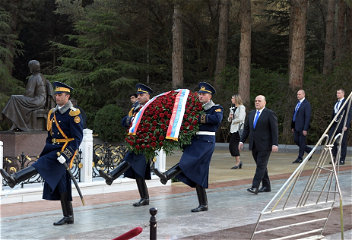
<point>151,132</point>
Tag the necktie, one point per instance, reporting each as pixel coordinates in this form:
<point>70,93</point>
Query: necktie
<point>256,119</point>
<point>337,106</point>
<point>297,106</point>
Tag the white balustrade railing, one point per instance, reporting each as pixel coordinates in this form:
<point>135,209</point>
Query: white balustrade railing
<point>87,155</point>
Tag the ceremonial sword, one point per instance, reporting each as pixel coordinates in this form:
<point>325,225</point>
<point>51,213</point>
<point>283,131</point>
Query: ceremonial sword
<point>73,179</point>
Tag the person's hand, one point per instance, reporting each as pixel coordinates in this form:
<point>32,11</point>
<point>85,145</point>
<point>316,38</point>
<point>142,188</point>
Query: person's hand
<point>304,133</point>
<point>274,148</point>
<point>61,159</point>
<point>345,129</point>
<point>293,130</point>
<point>240,146</point>
<point>231,116</point>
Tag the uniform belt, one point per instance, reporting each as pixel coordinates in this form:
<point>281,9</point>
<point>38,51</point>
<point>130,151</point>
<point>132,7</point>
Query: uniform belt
<point>61,140</point>
<point>205,133</point>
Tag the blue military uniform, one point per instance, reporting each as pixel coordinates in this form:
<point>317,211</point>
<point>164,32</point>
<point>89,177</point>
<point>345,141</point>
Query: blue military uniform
<point>196,157</point>
<point>139,166</point>
<point>133,165</point>
<point>193,168</point>
<point>64,125</point>
<point>65,133</point>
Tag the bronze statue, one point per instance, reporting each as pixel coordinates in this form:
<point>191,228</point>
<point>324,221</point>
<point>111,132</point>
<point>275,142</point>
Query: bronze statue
<point>22,110</point>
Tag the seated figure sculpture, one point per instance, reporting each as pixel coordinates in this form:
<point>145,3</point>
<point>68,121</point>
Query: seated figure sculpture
<point>19,110</point>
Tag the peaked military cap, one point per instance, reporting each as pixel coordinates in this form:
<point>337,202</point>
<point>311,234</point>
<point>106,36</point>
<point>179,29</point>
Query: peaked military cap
<point>141,88</point>
<point>60,87</point>
<point>206,88</point>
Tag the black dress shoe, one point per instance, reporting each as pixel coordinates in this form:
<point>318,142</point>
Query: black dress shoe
<point>253,190</point>
<point>142,202</point>
<point>200,208</point>
<point>107,177</point>
<point>65,220</point>
<point>162,176</point>
<point>11,181</point>
<point>342,162</point>
<point>297,160</point>
<point>264,189</point>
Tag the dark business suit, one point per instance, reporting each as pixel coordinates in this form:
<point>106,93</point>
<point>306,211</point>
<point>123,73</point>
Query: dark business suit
<point>261,140</point>
<point>340,129</point>
<point>301,124</point>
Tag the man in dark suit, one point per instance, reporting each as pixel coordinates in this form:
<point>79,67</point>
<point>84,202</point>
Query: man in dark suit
<point>300,124</point>
<point>340,128</point>
<point>262,128</point>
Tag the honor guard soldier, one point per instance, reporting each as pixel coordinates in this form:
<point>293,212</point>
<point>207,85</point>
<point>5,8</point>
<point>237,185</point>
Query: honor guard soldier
<point>193,168</point>
<point>65,133</point>
<point>134,165</point>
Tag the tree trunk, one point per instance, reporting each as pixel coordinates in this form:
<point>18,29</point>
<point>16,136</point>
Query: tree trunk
<point>245,52</point>
<point>223,39</point>
<point>348,29</point>
<point>340,41</point>
<point>328,52</point>
<point>177,51</point>
<point>290,34</point>
<point>298,44</point>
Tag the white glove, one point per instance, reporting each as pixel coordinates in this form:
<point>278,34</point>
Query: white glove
<point>61,159</point>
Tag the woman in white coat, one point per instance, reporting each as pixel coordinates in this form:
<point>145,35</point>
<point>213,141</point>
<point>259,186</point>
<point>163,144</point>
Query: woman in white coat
<point>236,117</point>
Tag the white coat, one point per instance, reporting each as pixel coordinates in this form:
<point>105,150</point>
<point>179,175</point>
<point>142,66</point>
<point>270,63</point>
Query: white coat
<point>238,119</point>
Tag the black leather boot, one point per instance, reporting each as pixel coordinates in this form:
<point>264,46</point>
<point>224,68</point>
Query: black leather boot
<point>172,172</point>
<point>67,210</point>
<point>117,172</point>
<point>143,192</point>
<point>202,198</point>
<point>19,176</point>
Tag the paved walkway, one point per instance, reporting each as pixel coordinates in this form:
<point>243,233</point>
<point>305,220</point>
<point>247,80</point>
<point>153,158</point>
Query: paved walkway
<point>232,210</point>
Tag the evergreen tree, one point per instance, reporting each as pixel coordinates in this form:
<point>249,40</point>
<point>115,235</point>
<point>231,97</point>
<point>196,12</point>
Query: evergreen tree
<point>9,85</point>
<point>103,59</point>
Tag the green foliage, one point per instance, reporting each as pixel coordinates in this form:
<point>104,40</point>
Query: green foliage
<point>272,84</point>
<point>107,123</point>
<point>9,85</point>
<point>101,61</point>
<point>321,93</point>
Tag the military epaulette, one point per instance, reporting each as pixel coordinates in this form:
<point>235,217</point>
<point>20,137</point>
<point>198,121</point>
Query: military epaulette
<point>51,111</point>
<point>74,113</point>
<point>218,110</point>
<point>49,121</point>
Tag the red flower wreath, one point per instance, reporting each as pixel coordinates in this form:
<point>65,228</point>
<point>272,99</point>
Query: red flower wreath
<point>151,132</point>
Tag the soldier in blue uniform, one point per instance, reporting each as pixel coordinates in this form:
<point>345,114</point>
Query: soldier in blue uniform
<point>65,133</point>
<point>134,165</point>
<point>193,168</point>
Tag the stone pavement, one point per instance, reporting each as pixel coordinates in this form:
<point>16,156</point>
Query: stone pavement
<point>232,210</point>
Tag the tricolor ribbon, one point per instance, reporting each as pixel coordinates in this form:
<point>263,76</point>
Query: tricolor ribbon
<point>176,119</point>
<point>139,115</point>
<point>178,112</point>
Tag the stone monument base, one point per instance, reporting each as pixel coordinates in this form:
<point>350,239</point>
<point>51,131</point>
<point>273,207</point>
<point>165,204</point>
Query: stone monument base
<point>30,143</point>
